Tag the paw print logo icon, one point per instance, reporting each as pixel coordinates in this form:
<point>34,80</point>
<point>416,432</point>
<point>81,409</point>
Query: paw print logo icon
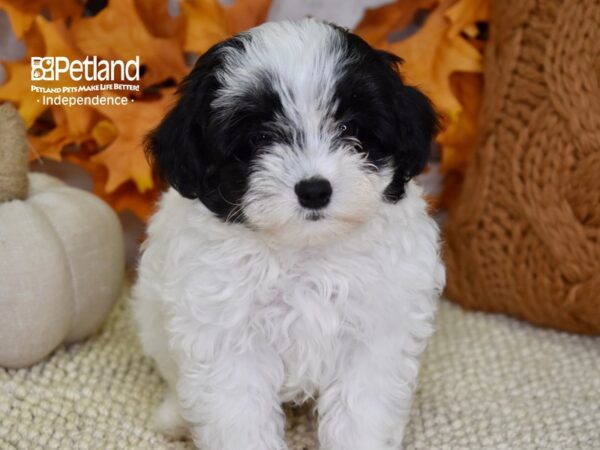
<point>42,68</point>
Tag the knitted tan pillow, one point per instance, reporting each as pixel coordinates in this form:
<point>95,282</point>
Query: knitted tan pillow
<point>524,237</point>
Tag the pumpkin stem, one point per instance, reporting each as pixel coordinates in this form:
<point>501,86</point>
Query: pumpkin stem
<point>13,155</point>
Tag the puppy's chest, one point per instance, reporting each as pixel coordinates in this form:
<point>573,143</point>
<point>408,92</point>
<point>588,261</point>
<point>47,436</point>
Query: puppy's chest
<point>307,296</point>
<point>307,314</point>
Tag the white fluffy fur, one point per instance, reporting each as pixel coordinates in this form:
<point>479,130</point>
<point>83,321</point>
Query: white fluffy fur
<point>237,324</point>
<point>242,317</point>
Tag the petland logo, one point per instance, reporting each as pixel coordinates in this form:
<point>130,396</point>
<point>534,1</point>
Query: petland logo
<point>90,82</point>
<point>51,68</point>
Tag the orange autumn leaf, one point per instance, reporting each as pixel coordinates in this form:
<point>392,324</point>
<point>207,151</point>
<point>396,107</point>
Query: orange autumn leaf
<point>34,43</point>
<point>51,144</point>
<point>104,133</point>
<point>158,20</point>
<point>458,140</point>
<point>379,23</point>
<point>207,22</point>
<point>465,14</point>
<point>118,32</point>
<point>17,90</point>
<point>126,197</point>
<point>124,157</point>
<point>459,136</point>
<point>21,13</point>
<point>57,42</point>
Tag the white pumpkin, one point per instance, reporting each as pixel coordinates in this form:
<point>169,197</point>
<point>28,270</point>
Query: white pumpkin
<point>61,257</point>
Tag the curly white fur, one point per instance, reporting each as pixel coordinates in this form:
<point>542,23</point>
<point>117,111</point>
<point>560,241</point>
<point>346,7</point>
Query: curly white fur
<point>238,324</point>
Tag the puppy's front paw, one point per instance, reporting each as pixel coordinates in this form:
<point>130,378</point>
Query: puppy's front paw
<point>168,420</point>
<point>246,436</point>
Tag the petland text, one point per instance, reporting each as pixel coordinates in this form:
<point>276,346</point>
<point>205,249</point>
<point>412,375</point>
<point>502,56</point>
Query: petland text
<point>51,68</point>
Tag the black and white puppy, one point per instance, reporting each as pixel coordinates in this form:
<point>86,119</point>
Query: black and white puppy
<point>293,254</point>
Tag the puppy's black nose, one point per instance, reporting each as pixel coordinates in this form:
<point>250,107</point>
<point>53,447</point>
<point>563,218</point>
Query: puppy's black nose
<point>313,193</point>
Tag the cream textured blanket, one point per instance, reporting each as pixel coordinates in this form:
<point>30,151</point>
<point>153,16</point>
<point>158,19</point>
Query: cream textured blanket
<point>487,382</point>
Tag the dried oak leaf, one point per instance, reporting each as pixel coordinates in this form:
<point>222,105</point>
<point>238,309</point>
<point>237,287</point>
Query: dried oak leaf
<point>207,22</point>
<point>458,139</point>
<point>124,157</point>
<point>158,20</point>
<point>118,32</point>
<point>57,42</point>
<point>21,13</point>
<point>125,197</point>
<point>51,144</point>
<point>465,14</point>
<point>432,55</point>
<point>378,24</point>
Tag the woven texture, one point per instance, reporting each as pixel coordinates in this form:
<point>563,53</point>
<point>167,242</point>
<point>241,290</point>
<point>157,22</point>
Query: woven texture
<point>487,382</point>
<point>524,237</point>
<point>13,155</point>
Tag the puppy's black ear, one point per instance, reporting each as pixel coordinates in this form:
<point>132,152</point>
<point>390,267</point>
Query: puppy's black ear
<point>178,146</point>
<point>419,125</point>
<point>416,124</point>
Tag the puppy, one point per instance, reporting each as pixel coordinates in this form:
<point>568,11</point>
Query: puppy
<point>292,255</point>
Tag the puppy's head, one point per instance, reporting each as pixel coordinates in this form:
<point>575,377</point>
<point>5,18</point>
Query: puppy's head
<point>300,130</point>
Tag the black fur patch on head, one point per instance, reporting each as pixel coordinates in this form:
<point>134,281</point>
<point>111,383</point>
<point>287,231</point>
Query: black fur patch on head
<point>206,154</point>
<point>395,123</point>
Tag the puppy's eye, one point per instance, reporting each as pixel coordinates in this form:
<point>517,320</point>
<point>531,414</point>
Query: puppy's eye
<point>347,129</point>
<point>261,138</point>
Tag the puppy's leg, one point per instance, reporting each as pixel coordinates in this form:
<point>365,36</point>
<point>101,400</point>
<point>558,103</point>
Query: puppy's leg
<point>167,417</point>
<point>147,312</point>
<point>232,400</point>
<point>366,406</point>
